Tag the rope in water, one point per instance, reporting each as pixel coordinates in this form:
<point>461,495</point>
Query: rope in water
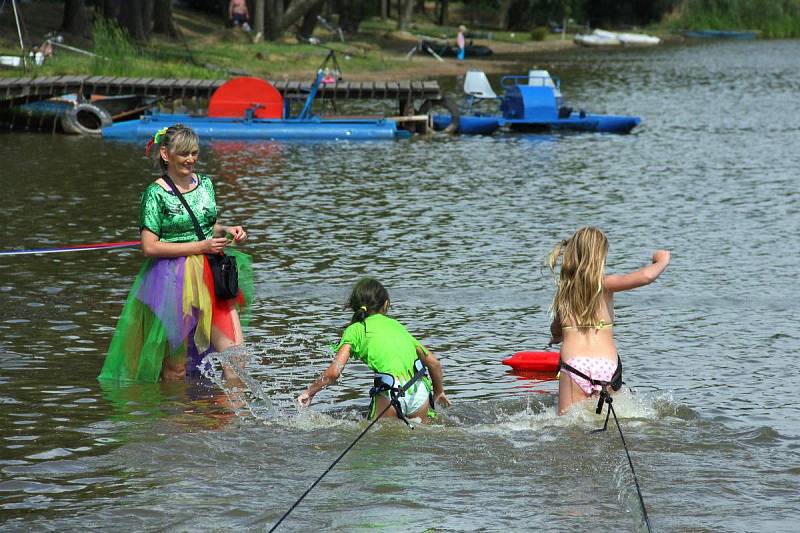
<point>403,389</point>
<point>605,397</point>
<point>74,248</point>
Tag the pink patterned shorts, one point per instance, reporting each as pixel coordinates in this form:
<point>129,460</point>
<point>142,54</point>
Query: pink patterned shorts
<point>597,369</point>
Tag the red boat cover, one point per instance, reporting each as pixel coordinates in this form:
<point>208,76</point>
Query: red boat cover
<point>238,95</point>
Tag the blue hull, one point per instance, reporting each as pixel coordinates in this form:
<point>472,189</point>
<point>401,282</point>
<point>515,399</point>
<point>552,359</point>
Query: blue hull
<point>312,129</point>
<point>579,122</point>
<point>722,34</point>
<point>468,124</point>
<point>484,125</point>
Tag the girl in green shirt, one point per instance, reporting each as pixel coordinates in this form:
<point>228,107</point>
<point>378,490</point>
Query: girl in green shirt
<point>384,345</point>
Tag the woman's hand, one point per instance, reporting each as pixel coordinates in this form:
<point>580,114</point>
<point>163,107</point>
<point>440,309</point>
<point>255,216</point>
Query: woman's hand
<point>661,256</point>
<point>214,245</point>
<point>237,232</point>
<point>441,399</point>
<point>304,399</point>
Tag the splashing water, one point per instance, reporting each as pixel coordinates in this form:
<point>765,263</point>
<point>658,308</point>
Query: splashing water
<point>227,370</point>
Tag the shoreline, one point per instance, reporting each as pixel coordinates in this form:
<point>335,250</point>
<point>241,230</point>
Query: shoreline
<point>423,66</point>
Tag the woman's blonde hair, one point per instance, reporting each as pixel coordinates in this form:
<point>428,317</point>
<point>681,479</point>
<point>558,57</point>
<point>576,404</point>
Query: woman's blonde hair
<point>579,297</point>
<point>177,139</point>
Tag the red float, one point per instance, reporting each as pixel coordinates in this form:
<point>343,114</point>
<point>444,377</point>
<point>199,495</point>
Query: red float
<point>534,361</point>
<point>238,95</point>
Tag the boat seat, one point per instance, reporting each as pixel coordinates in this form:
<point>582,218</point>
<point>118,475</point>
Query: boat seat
<point>542,78</point>
<point>477,85</point>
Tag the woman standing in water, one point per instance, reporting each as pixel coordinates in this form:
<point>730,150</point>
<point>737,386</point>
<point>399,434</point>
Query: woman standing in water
<point>172,316</point>
<point>583,310</point>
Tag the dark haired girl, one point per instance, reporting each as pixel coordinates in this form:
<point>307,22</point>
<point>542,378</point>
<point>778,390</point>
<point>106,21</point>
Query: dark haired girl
<point>390,351</point>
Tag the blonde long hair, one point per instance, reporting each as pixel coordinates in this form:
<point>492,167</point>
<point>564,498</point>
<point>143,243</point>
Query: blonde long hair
<point>579,297</point>
<point>176,139</point>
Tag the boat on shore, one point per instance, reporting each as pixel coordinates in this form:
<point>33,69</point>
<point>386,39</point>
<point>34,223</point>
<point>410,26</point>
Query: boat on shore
<point>531,103</point>
<point>609,38</point>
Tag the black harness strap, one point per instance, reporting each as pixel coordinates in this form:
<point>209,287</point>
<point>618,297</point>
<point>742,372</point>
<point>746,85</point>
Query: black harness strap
<point>379,385</point>
<point>605,397</point>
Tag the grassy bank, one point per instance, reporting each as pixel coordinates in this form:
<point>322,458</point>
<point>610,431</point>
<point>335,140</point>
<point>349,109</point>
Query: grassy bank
<point>209,50</point>
<point>773,18</point>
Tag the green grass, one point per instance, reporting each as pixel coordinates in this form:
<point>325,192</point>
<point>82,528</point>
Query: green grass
<point>774,18</point>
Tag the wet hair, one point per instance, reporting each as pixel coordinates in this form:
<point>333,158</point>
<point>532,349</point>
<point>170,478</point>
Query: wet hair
<point>367,298</point>
<point>177,139</point>
<point>579,296</point>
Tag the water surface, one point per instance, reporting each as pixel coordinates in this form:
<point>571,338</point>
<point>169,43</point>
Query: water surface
<point>457,229</point>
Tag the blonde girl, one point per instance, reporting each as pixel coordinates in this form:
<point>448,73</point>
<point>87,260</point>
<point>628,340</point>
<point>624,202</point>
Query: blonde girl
<point>583,313</point>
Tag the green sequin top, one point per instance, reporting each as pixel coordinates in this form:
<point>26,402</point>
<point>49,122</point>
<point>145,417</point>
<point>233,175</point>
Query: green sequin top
<point>163,214</point>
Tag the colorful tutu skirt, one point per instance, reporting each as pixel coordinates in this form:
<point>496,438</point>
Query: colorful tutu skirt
<point>169,314</point>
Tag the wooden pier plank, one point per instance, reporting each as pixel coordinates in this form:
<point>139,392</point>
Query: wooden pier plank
<point>108,85</point>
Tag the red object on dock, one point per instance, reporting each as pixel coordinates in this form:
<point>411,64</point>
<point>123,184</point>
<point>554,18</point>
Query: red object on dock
<point>237,95</point>
<point>538,361</point>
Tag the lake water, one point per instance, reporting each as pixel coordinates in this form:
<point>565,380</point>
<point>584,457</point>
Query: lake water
<point>457,229</point>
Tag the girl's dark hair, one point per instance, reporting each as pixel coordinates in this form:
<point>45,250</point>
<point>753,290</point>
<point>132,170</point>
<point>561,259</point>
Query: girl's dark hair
<point>367,298</point>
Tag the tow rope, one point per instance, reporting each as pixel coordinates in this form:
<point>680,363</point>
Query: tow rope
<point>74,248</point>
<point>605,397</point>
<point>401,392</point>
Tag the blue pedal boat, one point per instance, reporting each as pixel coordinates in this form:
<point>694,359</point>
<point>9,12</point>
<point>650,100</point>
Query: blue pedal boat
<point>252,109</point>
<point>531,103</point>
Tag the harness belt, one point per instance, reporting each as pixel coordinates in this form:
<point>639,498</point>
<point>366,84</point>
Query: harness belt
<point>605,397</point>
<point>387,382</point>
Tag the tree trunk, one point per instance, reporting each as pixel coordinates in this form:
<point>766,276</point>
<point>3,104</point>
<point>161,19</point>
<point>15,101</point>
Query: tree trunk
<point>75,20</point>
<point>108,8</point>
<point>384,9</point>
<point>502,18</point>
<point>258,19</point>
<point>445,4</point>
<point>406,9</point>
<point>310,19</point>
<point>130,18</point>
<point>273,19</point>
<point>162,18</point>
<point>279,20</point>
<point>352,14</point>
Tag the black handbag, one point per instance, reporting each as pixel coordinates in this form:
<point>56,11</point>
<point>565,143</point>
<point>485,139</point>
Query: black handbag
<point>223,267</point>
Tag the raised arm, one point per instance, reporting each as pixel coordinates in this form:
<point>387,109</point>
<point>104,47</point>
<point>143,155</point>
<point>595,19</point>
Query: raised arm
<point>329,377</point>
<point>435,371</point>
<point>641,277</point>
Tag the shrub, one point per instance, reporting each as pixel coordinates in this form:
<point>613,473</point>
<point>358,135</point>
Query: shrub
<point>539,33</point>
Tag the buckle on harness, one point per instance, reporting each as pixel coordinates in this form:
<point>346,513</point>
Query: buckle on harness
<point>605,397</point>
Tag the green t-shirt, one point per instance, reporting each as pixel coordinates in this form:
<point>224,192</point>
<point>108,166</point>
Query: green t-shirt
<point>386,348</point>
<point>162,213</point>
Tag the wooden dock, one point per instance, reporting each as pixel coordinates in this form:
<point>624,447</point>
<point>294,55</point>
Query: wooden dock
<point>15,91</point>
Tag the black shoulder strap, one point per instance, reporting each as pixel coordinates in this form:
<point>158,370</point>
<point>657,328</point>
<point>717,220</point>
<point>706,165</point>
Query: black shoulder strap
<point>197,230</point>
